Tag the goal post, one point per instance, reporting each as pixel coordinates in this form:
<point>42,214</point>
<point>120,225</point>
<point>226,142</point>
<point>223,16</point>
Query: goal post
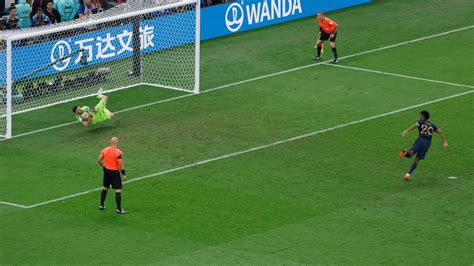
<point>154,43</point>
<point>197,50</point>
<point>9,94</point>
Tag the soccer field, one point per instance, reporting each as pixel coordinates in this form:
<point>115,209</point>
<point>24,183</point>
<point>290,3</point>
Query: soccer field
<point>280,160</point>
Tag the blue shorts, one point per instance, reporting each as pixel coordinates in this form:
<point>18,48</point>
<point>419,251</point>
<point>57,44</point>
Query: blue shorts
<point>421,147</point>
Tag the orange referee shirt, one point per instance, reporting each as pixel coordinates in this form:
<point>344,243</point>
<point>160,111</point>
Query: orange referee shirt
<point>327,25</point>
<point>111,156</point>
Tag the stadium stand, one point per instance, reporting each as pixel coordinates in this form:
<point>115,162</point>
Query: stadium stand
<point>57,11</point>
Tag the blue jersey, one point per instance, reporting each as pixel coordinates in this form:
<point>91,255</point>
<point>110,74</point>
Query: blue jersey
<point>426,129</point>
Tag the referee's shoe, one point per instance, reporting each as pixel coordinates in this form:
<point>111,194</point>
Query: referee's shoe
<point>122,211</point>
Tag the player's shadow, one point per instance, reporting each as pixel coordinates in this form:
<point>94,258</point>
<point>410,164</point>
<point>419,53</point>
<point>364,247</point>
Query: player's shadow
<point>101,129</point>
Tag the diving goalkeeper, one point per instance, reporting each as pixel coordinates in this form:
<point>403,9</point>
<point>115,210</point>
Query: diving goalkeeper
<point>91,116</point>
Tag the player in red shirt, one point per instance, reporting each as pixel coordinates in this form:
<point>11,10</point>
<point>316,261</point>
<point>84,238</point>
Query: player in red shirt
<point>327,31</point>
<point>111,160</point>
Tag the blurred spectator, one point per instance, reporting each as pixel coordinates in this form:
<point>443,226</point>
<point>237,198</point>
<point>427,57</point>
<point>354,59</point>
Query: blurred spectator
<point>2,7</point>
<point>2,27</point>
<point>11,22</point>
<point>216,2</point>
<point>52,13</point>
<point>39,19</point>
<point>67,9</point>
<point>90,7</point>
<point>205,3</point>
<point>35,4</point>
<point>85,9</point>
<point>23,12</point>
<point>99,6</point>
<point>24,15</point>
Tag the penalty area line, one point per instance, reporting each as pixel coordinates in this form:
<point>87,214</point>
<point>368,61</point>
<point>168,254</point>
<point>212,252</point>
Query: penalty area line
<point>234,154</point>
<point>254,79</point>
<point>65,198</point>
<point>14,204</point>
<point>401,76</point>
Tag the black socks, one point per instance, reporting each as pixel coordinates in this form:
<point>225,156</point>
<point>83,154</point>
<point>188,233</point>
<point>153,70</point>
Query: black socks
<point>334,51</point>
<point>103,195</point>
<point>118,200</point>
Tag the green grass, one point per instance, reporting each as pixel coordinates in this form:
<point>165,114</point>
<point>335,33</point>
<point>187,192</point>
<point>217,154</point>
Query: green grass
<point>334,198</point>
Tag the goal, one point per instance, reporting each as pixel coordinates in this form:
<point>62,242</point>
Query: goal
<point>154,43</point>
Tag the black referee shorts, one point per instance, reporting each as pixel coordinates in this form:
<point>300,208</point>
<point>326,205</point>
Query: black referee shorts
<point>325,36</point>
<point>112,178</point>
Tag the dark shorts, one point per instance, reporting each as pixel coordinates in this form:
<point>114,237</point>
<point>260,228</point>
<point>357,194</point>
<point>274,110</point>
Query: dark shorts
<point>112,178</point>
<point>325,36</point>
<point>421,147</point>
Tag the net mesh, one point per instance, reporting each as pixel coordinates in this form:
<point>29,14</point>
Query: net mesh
<point>3,102</point>
<point>146,42</point>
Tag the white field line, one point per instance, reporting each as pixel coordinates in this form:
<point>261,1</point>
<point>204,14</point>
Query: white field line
<point>250,80</point>
<point>14,205</point>
<point>255,79</point>
<point>234,154</point>
<point>401,76</point>
<point>341,58</point>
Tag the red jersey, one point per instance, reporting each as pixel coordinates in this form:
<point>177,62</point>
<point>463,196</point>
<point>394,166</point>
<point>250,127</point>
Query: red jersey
<point>327,25</point>
<point>111,156</point>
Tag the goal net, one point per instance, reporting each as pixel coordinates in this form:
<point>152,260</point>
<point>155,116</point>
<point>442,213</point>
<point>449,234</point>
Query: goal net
<point>154,43</point>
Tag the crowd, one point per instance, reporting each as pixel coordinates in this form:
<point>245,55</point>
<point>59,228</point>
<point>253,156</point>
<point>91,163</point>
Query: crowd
<point>45,12</point>
<point>205,3</point>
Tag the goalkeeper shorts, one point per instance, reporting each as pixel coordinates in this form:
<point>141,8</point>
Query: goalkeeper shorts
<point>101,113</point>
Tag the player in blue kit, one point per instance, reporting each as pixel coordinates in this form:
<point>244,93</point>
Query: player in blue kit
<point>422,143</point>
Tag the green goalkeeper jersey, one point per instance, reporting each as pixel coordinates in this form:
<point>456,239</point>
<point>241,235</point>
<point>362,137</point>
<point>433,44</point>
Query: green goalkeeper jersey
<point>99,113</point>
<point>87,111</point>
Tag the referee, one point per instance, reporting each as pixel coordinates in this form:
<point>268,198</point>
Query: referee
<point>111,160</point>
<point>327,31</point>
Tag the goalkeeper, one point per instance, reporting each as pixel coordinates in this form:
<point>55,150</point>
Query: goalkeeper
<point>91,116</point>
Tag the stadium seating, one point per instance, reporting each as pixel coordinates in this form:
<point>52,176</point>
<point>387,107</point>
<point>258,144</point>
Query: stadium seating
<point>23,11</point>
<point>69,9</point>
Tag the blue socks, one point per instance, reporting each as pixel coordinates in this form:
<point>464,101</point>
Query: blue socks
<point>412,168</point>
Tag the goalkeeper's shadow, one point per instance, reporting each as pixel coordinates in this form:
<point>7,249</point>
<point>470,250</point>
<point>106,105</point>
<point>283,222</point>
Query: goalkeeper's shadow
<point>100,129</point>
